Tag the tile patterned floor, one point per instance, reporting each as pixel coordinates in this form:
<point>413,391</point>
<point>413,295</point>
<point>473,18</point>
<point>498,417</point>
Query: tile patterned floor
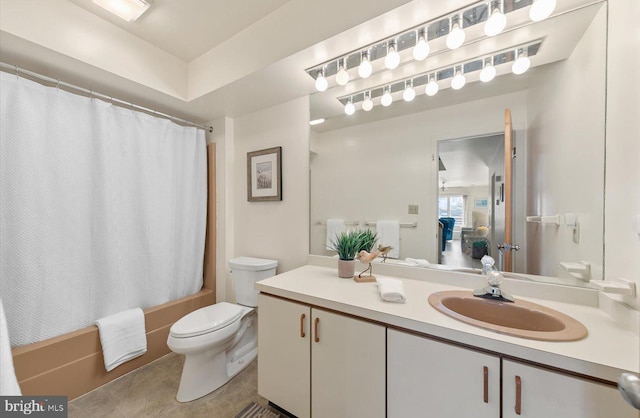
<point>151,392</point>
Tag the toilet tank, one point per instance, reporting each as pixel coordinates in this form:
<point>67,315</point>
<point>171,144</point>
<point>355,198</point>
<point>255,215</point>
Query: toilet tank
<point>245,272</point>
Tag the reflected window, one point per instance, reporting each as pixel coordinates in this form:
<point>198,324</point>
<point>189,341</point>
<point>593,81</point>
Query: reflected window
<point>453,206</point>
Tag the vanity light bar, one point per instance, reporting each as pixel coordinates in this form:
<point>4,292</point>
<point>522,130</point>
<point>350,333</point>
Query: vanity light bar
<point>470,66</point>
<point>474,14</point>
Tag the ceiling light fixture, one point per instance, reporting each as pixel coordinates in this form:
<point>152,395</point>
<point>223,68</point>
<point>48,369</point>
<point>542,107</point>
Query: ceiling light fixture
<point>365,69</point>
<point>316,121</point>
<point>386,98</point>
<point>458,81</point>
<point>482,68</point>
<point>497,20</point>
<point>128,10</point>
<point>392,60</point>
<point>421,50</point>
<point>342,77</point>
<point>321,81</point>
<point>522,62</point>
<point>349,108</point>
<point>455,39</point>
<point>432,86</point>
<point>541,9</point>
<point>488,72</point>
<point>409,93</point>
<point>367,103</point>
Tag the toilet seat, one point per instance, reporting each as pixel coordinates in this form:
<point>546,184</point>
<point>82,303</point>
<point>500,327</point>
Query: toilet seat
<point>206,320</point>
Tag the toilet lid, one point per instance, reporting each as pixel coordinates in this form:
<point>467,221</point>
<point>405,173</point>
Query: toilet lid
<point>207,319</point>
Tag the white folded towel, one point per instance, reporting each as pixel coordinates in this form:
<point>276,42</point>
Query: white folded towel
<point>8,382</point>
<point>123,337</point>
<point>391,290</point>
<point>417,262</point>
<point>389,234</point>
<point>334,228</point>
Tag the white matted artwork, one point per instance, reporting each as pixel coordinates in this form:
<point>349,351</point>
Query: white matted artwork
<point>264,175</point>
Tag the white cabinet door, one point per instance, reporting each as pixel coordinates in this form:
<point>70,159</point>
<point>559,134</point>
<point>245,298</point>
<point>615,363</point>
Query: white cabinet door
<point>347,367</point>
<point>427,378</point>
<point>284,366</point>
<point>546,394</point>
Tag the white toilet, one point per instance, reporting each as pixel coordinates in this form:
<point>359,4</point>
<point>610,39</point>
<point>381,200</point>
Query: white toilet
<point>220,340</point>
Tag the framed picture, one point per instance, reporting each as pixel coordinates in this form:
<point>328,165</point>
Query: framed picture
<point>264,175</point>
<point>482,203</point>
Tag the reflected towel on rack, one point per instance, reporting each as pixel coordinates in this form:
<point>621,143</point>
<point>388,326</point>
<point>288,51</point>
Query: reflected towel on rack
<point>334,228</point>
<point>389,234</point>
<point>123,337</point>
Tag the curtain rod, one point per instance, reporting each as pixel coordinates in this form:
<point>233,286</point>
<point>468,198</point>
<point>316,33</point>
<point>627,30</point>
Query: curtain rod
<point>91,93</point>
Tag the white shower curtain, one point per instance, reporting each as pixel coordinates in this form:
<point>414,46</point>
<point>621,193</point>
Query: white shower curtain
<point>102,209</point>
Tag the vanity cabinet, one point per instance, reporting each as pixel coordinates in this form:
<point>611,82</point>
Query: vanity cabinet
<point>315,363</point>
<point>430,378</point>
<point>532,392</point>
<point>426,377</point>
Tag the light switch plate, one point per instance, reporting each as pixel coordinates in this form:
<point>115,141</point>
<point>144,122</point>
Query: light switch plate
<point>413,209</point>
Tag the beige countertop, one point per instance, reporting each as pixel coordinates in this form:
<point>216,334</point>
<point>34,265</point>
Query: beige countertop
<point>607,351</point>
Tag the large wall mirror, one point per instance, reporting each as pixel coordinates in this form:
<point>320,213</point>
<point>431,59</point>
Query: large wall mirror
<point>445,156</point>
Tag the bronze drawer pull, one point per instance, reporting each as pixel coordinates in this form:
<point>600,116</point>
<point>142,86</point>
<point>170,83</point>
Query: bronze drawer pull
<point>518,395</point>
<point>302,334</point>
<point>315,329</point>
<point>486,384</point>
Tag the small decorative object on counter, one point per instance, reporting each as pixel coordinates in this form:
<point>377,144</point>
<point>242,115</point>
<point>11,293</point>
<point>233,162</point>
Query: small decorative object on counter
<point>366,258</point>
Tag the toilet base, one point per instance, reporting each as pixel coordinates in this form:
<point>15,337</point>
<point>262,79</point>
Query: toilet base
<point>202,374</point>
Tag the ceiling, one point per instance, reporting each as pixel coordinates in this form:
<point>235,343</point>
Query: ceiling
<point>466,160</point>
<point>189,28</point>
<point>205,59</point>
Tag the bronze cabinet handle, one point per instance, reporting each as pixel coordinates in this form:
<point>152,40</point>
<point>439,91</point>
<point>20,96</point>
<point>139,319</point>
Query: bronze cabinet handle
<point>315,329</point>
<point>518,395</point>
<point>302,334</point>
<point>486,384</point>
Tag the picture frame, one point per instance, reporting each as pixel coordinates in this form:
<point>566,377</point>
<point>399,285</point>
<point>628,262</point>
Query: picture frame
<point>264,175</point>
<point>481,203</point>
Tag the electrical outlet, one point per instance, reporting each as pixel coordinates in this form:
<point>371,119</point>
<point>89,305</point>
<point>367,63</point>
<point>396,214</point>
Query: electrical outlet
<point>413,209</point>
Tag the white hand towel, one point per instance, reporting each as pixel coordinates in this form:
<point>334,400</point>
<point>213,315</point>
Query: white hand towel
<point>417,262</point>
<point>391,290</point>
<point>123,337</point>
<point>8,382</point>
<point>334,228</point>
<point>389,234</point>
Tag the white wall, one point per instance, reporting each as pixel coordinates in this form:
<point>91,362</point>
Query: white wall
<point>275,230</point>
<point>565,155</point>
<point>622,243</point>
<point>374,171</point>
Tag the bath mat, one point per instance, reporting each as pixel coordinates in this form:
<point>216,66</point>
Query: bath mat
<point>253,410</point>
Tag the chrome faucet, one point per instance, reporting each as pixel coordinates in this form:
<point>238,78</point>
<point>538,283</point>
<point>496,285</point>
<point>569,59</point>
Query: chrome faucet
<point>493,291</point>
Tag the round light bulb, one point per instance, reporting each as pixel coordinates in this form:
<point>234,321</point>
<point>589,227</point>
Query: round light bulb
<point>521,65</point>
<point>488,73</point>
<point>367,104</point>
<point>541,9</point>
<point>386,99</point>
<point>432,88</point>
<point>421,50</point>
<point>496,23</point>
<point>365,69</point>
<point>349,108</point>
<point>408,94</point>
<point>321,82</point>
<point>458,81</point>
<point>342,77</point>
<point>456,37</point>
<point>392,60</point>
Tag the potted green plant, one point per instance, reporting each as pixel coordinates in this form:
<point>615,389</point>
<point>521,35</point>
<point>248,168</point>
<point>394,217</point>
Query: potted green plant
<point>348,245</point>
